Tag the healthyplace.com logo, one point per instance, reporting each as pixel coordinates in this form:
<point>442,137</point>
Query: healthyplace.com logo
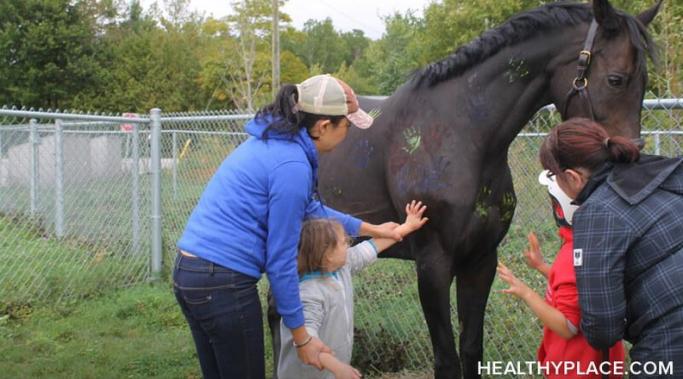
<point>535,368</point>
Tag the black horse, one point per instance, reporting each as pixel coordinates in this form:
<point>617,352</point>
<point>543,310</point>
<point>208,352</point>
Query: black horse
<point>443,138</point>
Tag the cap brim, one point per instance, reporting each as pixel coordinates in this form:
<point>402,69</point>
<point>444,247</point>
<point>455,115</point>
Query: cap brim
<point>360,119</point>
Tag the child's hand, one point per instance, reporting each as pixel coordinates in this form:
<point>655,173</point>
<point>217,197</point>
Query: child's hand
<point>345,371</point>
<point>533,257</point>
<point>517,287</point>
<point>414,212</point>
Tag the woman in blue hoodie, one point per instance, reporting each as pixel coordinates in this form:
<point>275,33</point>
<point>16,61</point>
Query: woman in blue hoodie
<point>248,221</point>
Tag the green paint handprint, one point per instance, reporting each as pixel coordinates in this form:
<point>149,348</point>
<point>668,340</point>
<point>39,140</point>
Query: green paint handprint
<point>413,140</point>
<point>507,208</point>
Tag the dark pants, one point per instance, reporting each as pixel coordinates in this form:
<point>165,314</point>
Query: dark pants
<point>223,310</point>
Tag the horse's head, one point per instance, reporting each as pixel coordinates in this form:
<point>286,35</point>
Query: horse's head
<point>607,79</point>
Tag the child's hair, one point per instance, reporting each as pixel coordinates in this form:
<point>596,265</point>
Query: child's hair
<point>317,237</point>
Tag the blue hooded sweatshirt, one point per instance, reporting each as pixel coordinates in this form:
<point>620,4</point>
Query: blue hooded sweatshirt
<point>249,217</point>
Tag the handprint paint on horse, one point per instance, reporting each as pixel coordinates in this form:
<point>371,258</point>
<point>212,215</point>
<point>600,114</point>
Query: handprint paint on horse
<point>443,138</point>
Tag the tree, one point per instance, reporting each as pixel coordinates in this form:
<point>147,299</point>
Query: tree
<point>390,60</point>
<point>250,25</point>
<point>359,84</point>
<point>48,52</point>
<point>355,43</point>
<point>152,62</point>
<point>292,68</point>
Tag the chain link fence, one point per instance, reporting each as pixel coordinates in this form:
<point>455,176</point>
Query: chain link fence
<point>81,200</point>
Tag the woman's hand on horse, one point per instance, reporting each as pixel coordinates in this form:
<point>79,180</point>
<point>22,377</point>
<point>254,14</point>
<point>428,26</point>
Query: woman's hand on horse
<point>517,287</point>
<point>310,353</point>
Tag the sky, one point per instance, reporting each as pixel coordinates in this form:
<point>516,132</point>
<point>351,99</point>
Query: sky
<point>346,15</point>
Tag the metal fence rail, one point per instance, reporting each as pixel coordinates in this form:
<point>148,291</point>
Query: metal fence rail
<point>89,203</point>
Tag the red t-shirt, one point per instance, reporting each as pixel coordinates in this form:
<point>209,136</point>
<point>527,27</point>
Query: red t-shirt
<point>562,294</point>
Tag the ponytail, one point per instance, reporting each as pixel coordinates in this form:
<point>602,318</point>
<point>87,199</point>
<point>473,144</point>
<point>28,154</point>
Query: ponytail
<point>286,118</point>
<point>583,143</point>
<point>621,150</point>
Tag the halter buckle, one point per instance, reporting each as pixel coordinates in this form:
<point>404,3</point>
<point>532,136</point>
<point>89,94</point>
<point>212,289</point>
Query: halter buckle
<point>585,58</point>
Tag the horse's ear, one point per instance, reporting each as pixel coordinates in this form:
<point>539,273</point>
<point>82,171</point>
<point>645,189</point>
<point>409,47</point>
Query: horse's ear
<point>605,15</point>
<point>649,15</point>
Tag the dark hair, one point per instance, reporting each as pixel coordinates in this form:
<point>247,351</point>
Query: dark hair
<point>583,143</point>
<point>317,238</point>
<point>286,119</point>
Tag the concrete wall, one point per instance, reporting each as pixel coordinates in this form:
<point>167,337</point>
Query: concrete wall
<point>85,158</point>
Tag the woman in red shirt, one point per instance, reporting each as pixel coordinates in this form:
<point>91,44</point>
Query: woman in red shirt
<point>560,313</point>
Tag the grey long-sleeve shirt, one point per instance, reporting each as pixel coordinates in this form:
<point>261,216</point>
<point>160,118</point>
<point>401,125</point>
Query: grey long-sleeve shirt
<point>328,314</point>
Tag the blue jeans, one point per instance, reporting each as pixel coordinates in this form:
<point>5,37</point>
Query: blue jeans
<point>223,310</point>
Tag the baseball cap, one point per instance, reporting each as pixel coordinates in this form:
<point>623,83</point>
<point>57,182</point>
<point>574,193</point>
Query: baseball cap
<point>329,96</point>
<point>558,197</point>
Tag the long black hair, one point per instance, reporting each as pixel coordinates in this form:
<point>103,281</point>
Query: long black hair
<point>285,118</point>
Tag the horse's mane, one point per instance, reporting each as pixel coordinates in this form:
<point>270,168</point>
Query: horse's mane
<point>521,27</point>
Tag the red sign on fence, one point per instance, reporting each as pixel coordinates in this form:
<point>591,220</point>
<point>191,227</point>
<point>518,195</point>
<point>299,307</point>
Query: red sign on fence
<point>128,128</point>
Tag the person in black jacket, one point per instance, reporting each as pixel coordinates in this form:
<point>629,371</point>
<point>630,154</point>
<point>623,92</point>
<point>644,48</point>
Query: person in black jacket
<point>628,242</point>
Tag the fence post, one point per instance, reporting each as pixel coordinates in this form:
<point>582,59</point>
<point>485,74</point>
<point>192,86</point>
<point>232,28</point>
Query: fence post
<point>34,165</point>
<point>135,172</point>
<point>155,170</point>
<point>59,179</point>
<point>175,168</point>
<point>657,143</point>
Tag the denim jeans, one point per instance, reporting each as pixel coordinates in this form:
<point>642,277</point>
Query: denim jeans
<point>223,310</point>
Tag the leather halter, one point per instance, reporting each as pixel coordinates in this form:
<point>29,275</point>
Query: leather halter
<point>580,83</point>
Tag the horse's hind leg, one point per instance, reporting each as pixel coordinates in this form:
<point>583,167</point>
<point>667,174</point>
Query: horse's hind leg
<point>472,288</point>
<point>274,326</point>
<point>434,282</point>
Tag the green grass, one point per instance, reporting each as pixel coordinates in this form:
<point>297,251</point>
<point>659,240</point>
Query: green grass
<point>37,267</point>
<point>134,333</point>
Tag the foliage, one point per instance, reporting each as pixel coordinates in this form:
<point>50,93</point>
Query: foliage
<point>48,52</point>
<point>115,55</point>
<point>385,61</point>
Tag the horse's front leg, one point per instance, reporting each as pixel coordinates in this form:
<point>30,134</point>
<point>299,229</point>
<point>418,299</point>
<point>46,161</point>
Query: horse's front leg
<point>434,281</point>
<point>473,285</point>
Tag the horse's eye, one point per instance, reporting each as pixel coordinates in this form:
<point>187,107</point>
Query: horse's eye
<point>616,81</point>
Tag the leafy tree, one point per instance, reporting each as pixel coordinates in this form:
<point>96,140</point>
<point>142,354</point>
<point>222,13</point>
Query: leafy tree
<point>153,62</point>
<point>359,84</point>
<point>48,52</point>
<point>293,70</point>
<point>355,43</point>
<point>390,60</point>
<point>245,67</point>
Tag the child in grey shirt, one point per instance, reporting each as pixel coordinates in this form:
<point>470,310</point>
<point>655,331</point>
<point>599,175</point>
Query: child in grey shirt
<point>325,264</point>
